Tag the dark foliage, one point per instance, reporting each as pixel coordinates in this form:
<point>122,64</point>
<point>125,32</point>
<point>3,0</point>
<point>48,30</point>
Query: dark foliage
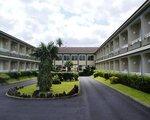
<point>88,71</point>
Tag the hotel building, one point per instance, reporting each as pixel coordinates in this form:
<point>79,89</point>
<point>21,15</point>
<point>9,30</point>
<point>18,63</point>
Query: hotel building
<point>80,56</point>
<point>15,54</point>
<point>128,48</point>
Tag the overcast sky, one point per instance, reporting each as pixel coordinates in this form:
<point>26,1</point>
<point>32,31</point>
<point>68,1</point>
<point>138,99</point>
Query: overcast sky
<point>77,22</point>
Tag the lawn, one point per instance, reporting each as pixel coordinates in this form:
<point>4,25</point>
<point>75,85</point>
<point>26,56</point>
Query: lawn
<point>137,95</point>
<point>22,79</point>
<point>56,88</point>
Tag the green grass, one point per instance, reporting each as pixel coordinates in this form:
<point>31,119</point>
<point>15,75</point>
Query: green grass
<point>22,79</point>
<point>137,95</point>
<point>57,88</point>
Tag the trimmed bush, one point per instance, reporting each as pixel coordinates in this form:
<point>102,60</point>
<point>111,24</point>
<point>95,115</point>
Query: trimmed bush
<point>3,77</point>
<point>88,71</point>
<point>14,75</point>
<point>56,80</point>
<point>66,76</point>
<point>132,80</point>
<point>114,80</point>
<point>98,74</point>
<point>106,75</point>
<point>74,90</point>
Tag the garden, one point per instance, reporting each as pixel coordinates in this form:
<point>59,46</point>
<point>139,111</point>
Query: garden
<point>50,83</point>
<point>133,85</point>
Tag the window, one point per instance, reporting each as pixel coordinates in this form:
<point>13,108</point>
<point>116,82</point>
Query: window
<point>82,57</point>
<point>80,67</point>
<point>90,57</point>
<point>59,57</point>
<point>66,57</point>
<point>74,57</point>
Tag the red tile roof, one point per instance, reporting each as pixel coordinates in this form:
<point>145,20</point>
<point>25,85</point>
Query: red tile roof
<point>77,49</point>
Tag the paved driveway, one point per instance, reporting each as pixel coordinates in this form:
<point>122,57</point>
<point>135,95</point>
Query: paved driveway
<point>96,102</point>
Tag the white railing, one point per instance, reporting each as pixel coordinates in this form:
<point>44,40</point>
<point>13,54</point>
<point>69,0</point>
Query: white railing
<point>147,35</point>
<point>124,46</point>
<point>136,40</point>
<point>116,50</point>
<point>4,50</point>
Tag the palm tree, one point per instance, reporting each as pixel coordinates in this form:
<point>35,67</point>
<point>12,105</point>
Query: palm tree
<point>46,54</point>
<point>69,64</point>
<point>59,42</point>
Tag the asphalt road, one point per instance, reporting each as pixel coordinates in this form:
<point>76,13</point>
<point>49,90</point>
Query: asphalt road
<point>96,102</point>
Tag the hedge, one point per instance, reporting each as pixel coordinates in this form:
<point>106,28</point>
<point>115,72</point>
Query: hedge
<point>16,75</point>
<point>4,77</point>
<point>132,80</point>
<point>66,76</point>
<point>88,71</point>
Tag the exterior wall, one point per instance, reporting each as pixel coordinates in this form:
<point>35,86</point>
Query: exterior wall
<point>15,55</point>
<point>129,49</point>
<point>78,64</point>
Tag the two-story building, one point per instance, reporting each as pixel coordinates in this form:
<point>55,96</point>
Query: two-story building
<point>15,54</point>
<point>128,48</point>
<point>80,56</point>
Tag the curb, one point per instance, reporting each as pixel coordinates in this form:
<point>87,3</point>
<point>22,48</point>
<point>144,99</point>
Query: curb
<point>54,98</point>
<point>3,84</point>
<point>134,99</point>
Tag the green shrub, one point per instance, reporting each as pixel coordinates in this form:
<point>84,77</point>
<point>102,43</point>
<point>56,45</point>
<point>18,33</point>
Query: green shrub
<point>132,80</point>
<point>4,77</point>
<point>34,73</point>
<point>88,71</point>
<point>74,90</point>
<point>75,76</point>
<point>145,84</point>
<point>106,75</point>
<point>42,95</point>
<point>56,80</point>
<point>14,75</point>
<point>66,76</point>
<point>114,80</point>
<point>25,73</point>
<point>98,74</point>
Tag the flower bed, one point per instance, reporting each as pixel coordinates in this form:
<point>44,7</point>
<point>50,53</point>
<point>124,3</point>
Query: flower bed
<point>18,92</point>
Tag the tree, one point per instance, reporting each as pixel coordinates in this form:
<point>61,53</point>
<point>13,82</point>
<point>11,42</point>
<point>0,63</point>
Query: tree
<point>59,42</point>
<point>46,54</point>
<point>69,64</point>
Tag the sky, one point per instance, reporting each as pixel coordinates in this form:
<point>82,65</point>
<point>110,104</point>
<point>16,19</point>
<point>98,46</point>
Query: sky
<point>79,23</point>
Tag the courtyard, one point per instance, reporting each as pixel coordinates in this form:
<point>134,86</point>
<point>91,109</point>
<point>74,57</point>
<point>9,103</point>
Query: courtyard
<point>96,101</point>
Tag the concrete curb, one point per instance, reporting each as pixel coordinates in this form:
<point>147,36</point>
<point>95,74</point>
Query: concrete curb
<point>54,98</point>
<point>134,99</point>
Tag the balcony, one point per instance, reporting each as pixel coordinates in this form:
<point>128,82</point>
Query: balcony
<point>11,54</point>
<point>135,35</point>
<point>123,49</point>
<point>135,44</point>
<point>123,42</point>
<point>116,52</point>
<point>146,40</point>
<point>111,54</point>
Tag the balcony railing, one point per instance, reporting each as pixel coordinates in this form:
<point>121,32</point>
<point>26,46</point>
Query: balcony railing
<point>135,44</point>
<point>146,40</point>
<point>15,54</point>
<point>124,49</point>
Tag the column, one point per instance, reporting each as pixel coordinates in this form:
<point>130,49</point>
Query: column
<point>86,59</point>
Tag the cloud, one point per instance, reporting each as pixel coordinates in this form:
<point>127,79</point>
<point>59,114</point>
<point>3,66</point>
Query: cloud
<point>78,23</point>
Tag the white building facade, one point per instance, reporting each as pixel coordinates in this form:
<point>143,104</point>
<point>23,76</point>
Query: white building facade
<point>128,49</point>
<point>15,54</point>
<point>80,56</point>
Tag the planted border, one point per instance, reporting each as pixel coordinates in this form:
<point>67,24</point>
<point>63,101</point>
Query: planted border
<point>139,82</point>
<point>13,93</point>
